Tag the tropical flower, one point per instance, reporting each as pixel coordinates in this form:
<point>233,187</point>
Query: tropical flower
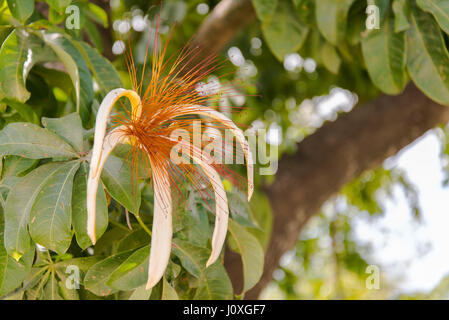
<point>170,101</point>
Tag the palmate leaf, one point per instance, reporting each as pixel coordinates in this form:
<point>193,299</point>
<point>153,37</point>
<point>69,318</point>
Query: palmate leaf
<point>133,272</point>
<point>285,33</point>
<point>30,141</point>
<point>21,9</point>
<point>24,110</point>
<point>15,166</point>
<point>141,293</point>
<point>12,272</point>
<point>58,5</point>
<point>97,276</point>
<point>18,206</point>
<point>427,56</point>
<point>18,48</point>
<point>69,128</point>
<point>50,215</point>
<point>79,208</point>
<point>117,179</point>
<point>265,9</point>
<point>439,9</point>
<point>105,74</point>
<point>168,292</point>
<point>251,252</point>
<point>214,281</point>
<point>401,9</point>
<point>77,69</point>
<point>384,52</point>
<point>331,18</point>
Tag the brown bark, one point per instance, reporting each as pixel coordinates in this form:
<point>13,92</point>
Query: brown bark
<point>334,155</point>
<point>221,26</point>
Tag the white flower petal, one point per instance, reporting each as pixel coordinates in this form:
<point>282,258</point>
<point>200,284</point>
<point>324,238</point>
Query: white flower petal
<point>221,210</point>
<point>208,112</point>
<point>162,227</point>
<point>111,140</point>
<point>102,119</point>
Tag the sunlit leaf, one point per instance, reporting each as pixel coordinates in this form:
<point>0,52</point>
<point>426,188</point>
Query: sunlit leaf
<point>427,56</point>
<point>133,272</point>
<point>384,51</point>
<point>21,9</point>
<point>285,33</point>
<point>214,281</point>
<point>50,215</point>
<point>79,208</point>
<point>251,252</point>
<point>97,276</point>
<point>69,128</point>
<point>116,177</point>
<point>18,206</point>
<point>30,141</point>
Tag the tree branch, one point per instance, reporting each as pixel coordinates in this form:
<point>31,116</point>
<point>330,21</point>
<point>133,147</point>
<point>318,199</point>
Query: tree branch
<point>221,26</point>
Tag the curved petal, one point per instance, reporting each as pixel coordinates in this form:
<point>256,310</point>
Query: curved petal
<point>162,226</point>
<point>221,210</point>
<point>110,141</point>
<point>208,112</point>
<point>102,119</point>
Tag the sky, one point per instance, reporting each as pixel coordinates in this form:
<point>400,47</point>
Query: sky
<point>415,254</point>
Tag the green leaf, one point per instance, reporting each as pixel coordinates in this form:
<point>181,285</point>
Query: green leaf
<point>19,52</point>
<point>79,208</point>
<point>107,77</point>
<point>251,252</point>
<point>24,110</point>
<point>260,206</point>
<point>215,284</point>
<point>77,69</point>
<point>330,58</point>
<point>134,240</point>
<point>384,52</point>
<point>265,9</point>
<point>95,37</point>
<point>15,166</point>
<point>12,272</point>
<point>285,33</point>
<point>69,128</point>
<point>97,276</point>
<point>58,5</point>
<point>439,9</point>
<point>193,222</point>
<point>214,281</point>
<point>21,9</point>
<point>427,56</point>
<point>18,206</point>
<point>50,215</point>
<point>168,292</point>
<point>116,177</point>
<point>140,294</point>
<point>133,272</point>
<point>331,18</point>
<point>30,141</point>
<point>401,9</point>
<point>239,208</point>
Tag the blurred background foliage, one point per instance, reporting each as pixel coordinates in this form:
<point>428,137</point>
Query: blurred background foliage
<point>300,66</point>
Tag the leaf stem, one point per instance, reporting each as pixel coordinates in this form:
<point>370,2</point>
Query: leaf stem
<point>142,224</point>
